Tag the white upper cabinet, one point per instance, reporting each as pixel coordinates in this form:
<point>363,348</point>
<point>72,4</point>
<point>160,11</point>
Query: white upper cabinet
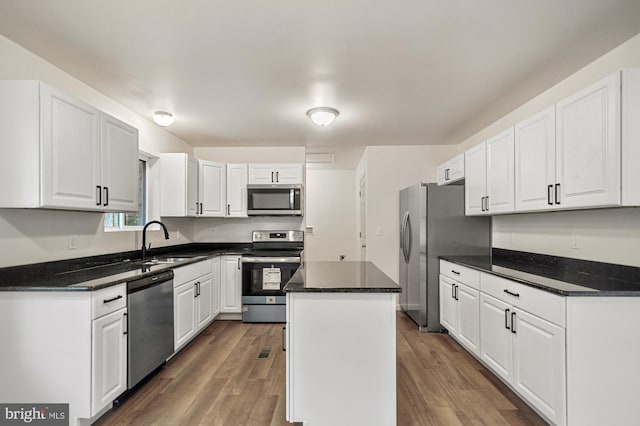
<point>119,165</point>
<point>475,188</point>
<point>212,188</point>
<point>451,171</point>
<point>178,185</point>
<point>500,173</point>
<point>237,190</point>
<point>588,146</point>
<point>489,175</point>
<point>59,152</point>
<point>278,173</point>
<point>535,161</point>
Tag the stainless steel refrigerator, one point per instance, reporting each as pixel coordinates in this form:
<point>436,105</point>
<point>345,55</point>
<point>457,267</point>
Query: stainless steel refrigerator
<point>432,224</point>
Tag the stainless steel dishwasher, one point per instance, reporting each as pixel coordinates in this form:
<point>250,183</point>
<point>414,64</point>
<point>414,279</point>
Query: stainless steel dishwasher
<point>150,324</point>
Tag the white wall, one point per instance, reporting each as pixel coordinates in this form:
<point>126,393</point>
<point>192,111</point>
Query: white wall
<point>388,170</point>
<point>331,211</point>
<point>28,236</point>
<point>610,235</point>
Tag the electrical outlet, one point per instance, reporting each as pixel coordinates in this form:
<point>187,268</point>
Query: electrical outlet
<point>379,231</point>
<point>511,237</point>
<point>73,242</point>
<point>271,300</point>
<point>575,243</point>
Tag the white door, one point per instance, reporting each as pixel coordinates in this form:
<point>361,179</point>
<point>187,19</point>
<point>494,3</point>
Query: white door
<point>184,316</point>
<point>588,146</point>
<point>475,187</point>
<point>468,332</point>
<point>193,206</point>
<point>535,162</point>
<point>204,301</point>
<point>212,189</point>
<point>215,287</point>
<point>448,306</point>
<point>289,173</point>
<point>363,217</point>
<point>262,174</point>
<point>70,152</point>
<point>539,364</point>
<point>109,359</point>
<point>500,173</point>
<point>231,285</point>
<point>496,342</point>
<point>120,176</point>
<point>237,190</point>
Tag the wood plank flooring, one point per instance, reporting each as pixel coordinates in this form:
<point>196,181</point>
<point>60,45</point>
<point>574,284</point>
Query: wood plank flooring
<point>217,380</point>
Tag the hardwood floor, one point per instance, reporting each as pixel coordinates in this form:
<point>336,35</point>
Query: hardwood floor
<point>217,380</point>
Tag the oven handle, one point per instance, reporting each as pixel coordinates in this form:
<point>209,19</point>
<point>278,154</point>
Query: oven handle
<point>270,259</point>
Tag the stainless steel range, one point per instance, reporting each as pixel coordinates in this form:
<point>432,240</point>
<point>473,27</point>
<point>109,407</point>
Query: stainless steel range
<point>275,257</point>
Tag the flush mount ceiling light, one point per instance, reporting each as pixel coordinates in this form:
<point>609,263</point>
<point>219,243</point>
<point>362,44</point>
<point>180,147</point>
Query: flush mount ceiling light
<point>163,118</point>
<point>323,116</point>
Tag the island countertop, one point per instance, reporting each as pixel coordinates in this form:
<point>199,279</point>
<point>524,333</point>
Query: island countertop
<point>340,277</point>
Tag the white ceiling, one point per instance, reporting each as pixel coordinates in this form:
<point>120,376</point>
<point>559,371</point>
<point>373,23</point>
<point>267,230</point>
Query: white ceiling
<point>243,72</point>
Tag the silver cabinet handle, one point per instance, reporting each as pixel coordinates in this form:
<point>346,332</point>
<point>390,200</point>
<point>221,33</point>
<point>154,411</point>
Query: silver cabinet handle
<point>228,209</point>
<point>506,319</point>
<point>99,193</point>
<point>271,177</point>
<point>239,260</point>
<point>557,193</point>
<point>513,322</point>
<point>284,338</point>
<point>549,201</point>
<point>126,324</point>
<point>277,177</point>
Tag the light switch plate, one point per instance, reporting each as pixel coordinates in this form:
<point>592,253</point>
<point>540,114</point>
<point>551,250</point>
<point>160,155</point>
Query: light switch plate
<point>73,243</point>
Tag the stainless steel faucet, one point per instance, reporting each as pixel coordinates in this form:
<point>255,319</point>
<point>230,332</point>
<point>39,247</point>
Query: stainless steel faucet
<point>144,235</point>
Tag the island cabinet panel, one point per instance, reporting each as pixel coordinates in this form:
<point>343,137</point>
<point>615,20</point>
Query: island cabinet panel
<point>341,358</point>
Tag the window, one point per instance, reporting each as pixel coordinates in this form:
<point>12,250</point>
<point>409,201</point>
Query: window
<point>131,221</point>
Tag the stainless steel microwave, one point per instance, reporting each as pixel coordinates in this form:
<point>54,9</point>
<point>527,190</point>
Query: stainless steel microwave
<point>274,200</point>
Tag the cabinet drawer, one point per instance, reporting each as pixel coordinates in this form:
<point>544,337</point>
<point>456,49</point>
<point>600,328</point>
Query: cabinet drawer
<point>462,274</point>
<point>541,303</point>
<point>191,272</point>
<point>108,300</point>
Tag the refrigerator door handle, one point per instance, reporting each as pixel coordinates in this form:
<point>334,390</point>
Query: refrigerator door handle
<point>404,217</point>
<point>409,237</point>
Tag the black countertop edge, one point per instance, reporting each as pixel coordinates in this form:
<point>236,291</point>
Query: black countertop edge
<point>300,288</point>
<point>340,277</point>
<point>105,270</point>
<point>555,274</point>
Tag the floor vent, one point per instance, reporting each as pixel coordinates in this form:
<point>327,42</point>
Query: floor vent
<point>264,353</point>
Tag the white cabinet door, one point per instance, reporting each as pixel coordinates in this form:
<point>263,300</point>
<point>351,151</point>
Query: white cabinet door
<point>535,162</point>
<point>215,287</point>
<point>539,364</point>
<point>237,190</point>
<point>441,174</point>
<point>496,342</point>
<point>120,175</point>
<point>456,168</point>
<point>500,173</point>
<point>475,188</point>
<point>193,206</point>
<point>204,301</point>
<point>70,152</point>
<point>212,188</point>
<point>262,174</point>
<point>184,315</point>
<point>289,173</point>
<point>468,333</point>
<point>109,359</point>
<point>588,146</point>
<point>231,285</point>
<point>448,306</point>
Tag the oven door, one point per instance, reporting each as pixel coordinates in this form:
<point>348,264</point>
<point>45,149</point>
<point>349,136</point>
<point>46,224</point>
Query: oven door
<point>265,276</point>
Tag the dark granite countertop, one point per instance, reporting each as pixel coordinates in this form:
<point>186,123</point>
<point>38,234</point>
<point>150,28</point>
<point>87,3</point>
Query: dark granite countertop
<point>561,275</point>
<point>97,272</point>
<point>340,277</point>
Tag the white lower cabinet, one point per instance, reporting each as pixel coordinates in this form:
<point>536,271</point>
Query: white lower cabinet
<point>517,331</point>
<point>194,289</point>
<point>108,359</point>
<point>231,285</point>
<point>215,286</point>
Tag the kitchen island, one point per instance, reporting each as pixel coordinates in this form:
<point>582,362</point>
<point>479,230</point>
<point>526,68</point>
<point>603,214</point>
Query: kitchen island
<point>341,345</point>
